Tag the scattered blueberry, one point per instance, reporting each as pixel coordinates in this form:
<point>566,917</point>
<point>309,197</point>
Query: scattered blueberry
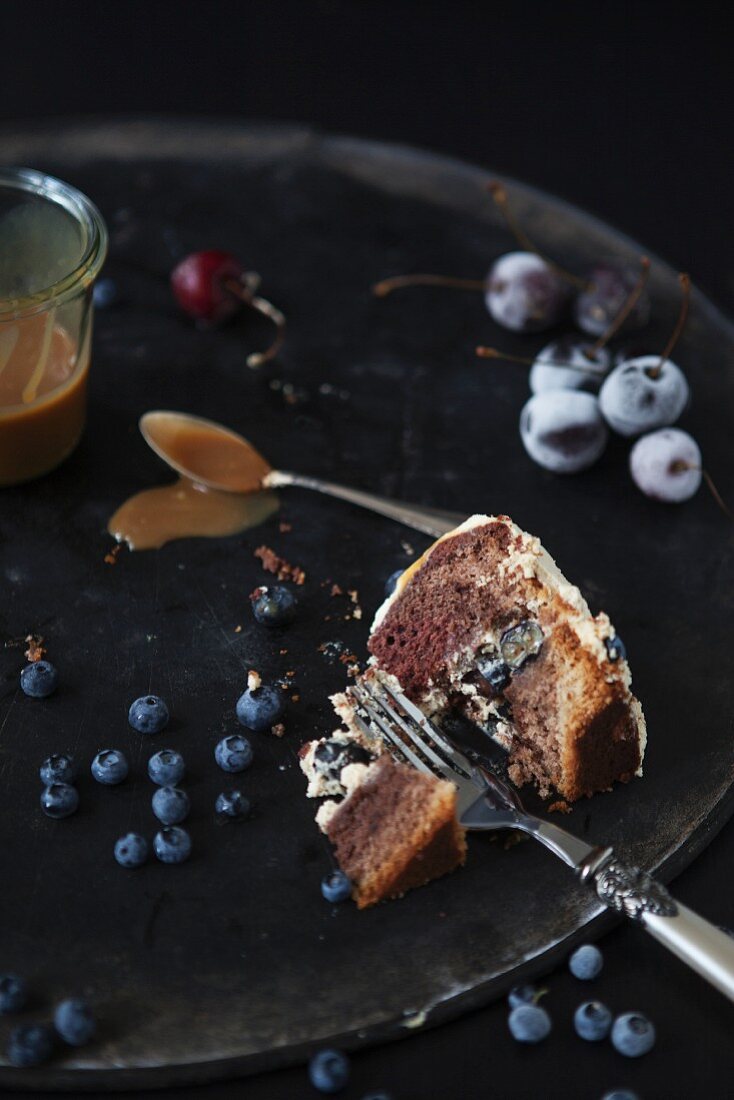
<point>592,1021</point>
<point>563,430</point>
<point>59,800</point>
<point>148,714</point>
<point>633,1035</point>
<point>59,768</point>
<point>666,465</point>
<point>495,672</point>
<point>520,643</point>
<point>328,1071</point>
<point>392,582</point>
<point>30,1045</point>
<point>336,753</point>
<point>569,364</point>
<point>522,995</point>
<point>172,844</point>
<point>620,1094</point>
<point>166,768</point>
<point>74,1021</point>
<point>13,993</point>
<point>260,708</point>
<point>336,886</point>
<point>105,293</point>
<point>232,804</point>
<point>109,767</point>
<point>273,605</point>
<point>616,648</point>
<point>39,679</point>
<point>171,805</point>
<point>586,962</point>
<point>529,1023</point>
<point>131,850</point>
<point>635,398</point>
<point>524,293</point>
<point>609,287</point>
<point>233,753</point>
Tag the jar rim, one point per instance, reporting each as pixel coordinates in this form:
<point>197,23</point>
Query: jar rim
<point>76,203</point>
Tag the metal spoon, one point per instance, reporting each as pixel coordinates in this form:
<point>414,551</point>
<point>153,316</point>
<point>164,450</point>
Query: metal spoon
<point>215,456</point>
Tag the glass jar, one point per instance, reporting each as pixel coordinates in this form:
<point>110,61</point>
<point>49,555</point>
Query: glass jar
<point>53,243</point>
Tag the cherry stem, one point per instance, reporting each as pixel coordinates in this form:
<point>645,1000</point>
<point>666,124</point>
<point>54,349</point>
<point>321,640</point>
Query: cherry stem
<point>685,282</point>
<point>386,286</point>
<point>499,197</point>
<point>624,312</point>
<point>244,290</point>
<point>678,468</point>
<point>494,353</point>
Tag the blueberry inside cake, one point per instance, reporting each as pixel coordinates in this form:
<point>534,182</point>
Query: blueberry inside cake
<point>485,624</point>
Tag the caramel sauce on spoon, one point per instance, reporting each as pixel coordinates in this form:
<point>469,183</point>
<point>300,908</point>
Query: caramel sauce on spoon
<point>219,491</point>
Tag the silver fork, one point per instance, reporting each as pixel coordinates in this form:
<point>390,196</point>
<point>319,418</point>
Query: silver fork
<point>485,802</point>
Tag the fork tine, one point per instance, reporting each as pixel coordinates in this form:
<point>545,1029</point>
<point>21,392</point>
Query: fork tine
<point>412,729</point>
<point>456,759</point>
<point>396,744</point>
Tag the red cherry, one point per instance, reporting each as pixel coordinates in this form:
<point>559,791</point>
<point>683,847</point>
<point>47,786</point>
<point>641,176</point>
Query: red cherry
<point>200,281</point>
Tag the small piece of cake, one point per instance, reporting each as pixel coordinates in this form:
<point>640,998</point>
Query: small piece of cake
<point>485,623</point>
<point>394,829</point>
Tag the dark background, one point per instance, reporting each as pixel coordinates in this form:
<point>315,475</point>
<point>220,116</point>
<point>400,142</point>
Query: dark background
<point>623,109</point>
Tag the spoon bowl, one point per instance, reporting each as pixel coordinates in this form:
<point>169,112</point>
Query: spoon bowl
<point>204,452</point>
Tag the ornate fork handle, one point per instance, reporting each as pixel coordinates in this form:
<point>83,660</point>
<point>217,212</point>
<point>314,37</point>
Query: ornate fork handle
<point>637,895</point>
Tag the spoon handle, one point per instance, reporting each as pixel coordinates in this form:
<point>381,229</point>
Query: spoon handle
<point>431,521</point>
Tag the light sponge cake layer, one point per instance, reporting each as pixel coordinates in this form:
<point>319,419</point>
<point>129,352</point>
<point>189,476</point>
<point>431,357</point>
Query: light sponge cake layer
<point>487,594</point>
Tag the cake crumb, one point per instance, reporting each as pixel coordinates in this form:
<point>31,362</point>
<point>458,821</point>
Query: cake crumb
<point>112,555</point>
<point>284,527</point>
<point>295,698</point>
<point>560,807</point>
<point>254,680</point>
<point>283,569</point>
<point>277,730</point>
<point>282,652</point>
<point>238,630</point>
<point>36,648</point>
<point>407,547</point>
<point>337,590</point>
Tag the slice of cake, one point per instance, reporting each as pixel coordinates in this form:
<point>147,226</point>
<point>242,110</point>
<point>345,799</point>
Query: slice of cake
<point>394,829</point>
<point>485,623</point>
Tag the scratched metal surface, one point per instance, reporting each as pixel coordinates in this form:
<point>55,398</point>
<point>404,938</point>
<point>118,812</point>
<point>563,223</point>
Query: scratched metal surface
<point>233,961</point>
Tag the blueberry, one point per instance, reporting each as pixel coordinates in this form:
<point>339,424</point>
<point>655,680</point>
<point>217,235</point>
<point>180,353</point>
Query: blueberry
<point>335,753</point>
<point>640,395</point>
<point>524,293</point>
<point>520,643</point>
<point>148,714</point>
<point>569,364</point>
<point>616,649</point>
<point>233,753</point>
<point>273,605</point>
<point>74,1021</point>
<point>336,886</point>
<point>328,1071</point>
<point>166,768</point>
<point>59,800</point>
<point>105,293</point>
<point>392,582</point>
<point>30,1045</point>
<point>13,993</point>
<point>39,679</point>
<point>609,287</point>
<point>522,995</point>
<point>586,962</point>
<point>666,465</point>
<point>259,709</point>
<point>529,1023</point>
<point>172,844</point>
<point>592,1021</point>
<point>171,805</point>
<point>563,430</point>
<point>495,672</point>
<point>109,767</point>
<point>58,769</point>
<point>232,804</point>
<point>131,850</point>
<point>632,1034</point>
<point>620,1094</point>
